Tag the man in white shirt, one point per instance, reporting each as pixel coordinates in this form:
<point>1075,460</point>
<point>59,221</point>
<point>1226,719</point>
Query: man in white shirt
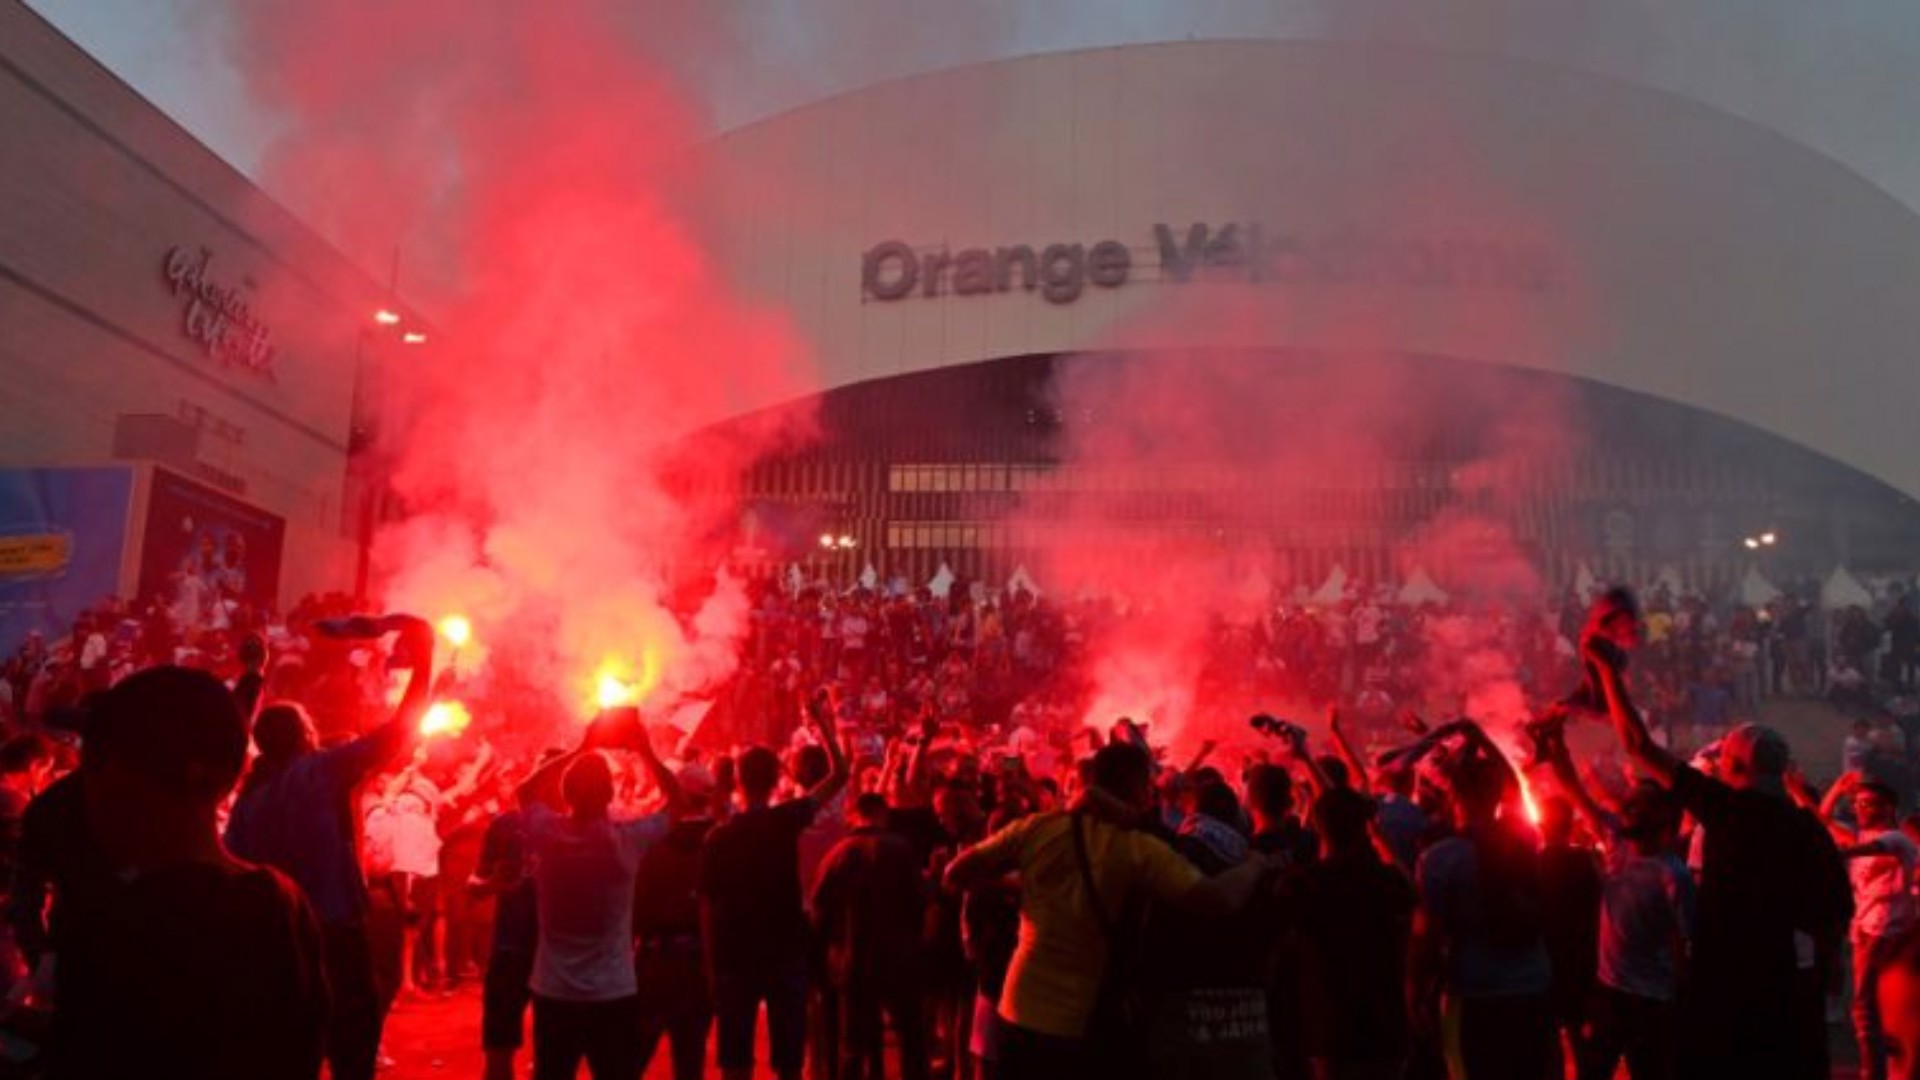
<point>1880,862</point>
<point>585,999</point>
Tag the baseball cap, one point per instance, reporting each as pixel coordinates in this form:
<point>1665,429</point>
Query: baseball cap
<point>177,725</point>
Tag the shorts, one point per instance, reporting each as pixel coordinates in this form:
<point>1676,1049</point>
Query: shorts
<point>504,1000</point>
<point>736,1005</point>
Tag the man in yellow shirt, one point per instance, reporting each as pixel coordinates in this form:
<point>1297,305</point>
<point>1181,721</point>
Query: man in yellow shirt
<point>1054,982</point>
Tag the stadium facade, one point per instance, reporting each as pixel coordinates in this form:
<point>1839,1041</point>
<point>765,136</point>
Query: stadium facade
<point>1735,305</point>
<point>1730,309</point>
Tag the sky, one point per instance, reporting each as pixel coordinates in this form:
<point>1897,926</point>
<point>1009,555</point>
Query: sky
<point>1837,76</point>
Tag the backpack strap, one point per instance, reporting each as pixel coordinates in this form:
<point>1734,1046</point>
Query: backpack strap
<point>1107,928</point>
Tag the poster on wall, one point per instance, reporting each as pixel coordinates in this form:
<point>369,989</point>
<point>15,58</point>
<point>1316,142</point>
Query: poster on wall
<point>62,534</point>
<point>208,555</point>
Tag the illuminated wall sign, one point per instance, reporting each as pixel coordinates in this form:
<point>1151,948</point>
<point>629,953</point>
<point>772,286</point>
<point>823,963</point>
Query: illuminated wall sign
<point>1236,251</point>
<point>219,318</point>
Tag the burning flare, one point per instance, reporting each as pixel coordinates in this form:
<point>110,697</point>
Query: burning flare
<point>612,692</point>
<point>445,718</point>
<point>457,630</point>
<point>616,682</point>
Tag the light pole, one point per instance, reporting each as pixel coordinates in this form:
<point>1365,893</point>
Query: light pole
<point>362,428</point>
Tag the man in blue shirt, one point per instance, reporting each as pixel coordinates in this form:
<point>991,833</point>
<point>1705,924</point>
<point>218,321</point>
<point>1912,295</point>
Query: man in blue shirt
<point>295,814</point>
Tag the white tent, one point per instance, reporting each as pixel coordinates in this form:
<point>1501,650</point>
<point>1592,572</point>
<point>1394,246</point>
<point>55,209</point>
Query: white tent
<point>1844,590</point>
<point>1334,590</point>
<point>942,581</point>
<point>1756,590</point>
<point>869,577</point>
<point>1420,588</point>
<point>1020,579</point>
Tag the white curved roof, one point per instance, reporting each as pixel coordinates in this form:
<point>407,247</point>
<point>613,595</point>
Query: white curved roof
<point>1651,242</point>
<point>1837,77</point>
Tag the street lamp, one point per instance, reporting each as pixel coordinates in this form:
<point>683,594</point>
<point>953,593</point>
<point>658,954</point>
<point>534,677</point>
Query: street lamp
<point>837,547</point>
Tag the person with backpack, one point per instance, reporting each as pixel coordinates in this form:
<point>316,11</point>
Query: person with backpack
<point>1084,875</point>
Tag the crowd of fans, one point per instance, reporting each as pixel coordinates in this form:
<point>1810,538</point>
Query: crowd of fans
<point>896,830</point>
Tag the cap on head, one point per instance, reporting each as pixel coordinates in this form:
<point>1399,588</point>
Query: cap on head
<point>177,726</point>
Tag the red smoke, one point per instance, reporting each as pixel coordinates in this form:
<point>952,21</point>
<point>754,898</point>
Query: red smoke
<point>1235,447</point>
<point>537,174</point>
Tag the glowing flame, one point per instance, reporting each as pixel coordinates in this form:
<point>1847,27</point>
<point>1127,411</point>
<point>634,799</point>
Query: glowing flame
<point>1527,800</point>
<point>616,682</point>
<point>1516,759</point>
<point>457,630</point>
<point>445,718</point>
<point>613,692</point>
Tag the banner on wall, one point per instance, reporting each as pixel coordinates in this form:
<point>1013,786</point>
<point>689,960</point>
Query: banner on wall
<point>62,535</point>
<point>207,554</point>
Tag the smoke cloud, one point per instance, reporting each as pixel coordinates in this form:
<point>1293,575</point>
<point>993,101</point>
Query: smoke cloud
<point>539,168</point>
<point>536,173</point>
<point>1323,450</point>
